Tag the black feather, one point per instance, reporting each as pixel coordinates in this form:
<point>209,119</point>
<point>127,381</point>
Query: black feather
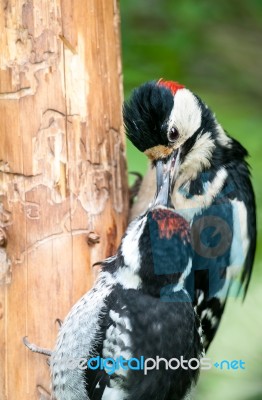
<point>146,114</point>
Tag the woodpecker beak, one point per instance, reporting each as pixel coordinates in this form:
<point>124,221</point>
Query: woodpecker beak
<point>166,172</point>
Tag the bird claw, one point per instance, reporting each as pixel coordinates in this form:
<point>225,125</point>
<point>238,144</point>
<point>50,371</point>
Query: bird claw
<point>41,350</point>
<point>43,394</point>
<point>36,349</point>
<point>59,321</point>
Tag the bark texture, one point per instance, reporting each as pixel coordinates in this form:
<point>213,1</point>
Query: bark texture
<point>63,186</point>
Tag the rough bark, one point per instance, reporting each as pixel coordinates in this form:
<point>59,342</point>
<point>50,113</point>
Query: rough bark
<point>63,186</point>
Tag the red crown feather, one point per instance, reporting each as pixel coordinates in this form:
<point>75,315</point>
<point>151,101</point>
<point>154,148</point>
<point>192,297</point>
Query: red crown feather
<point>171,85</point>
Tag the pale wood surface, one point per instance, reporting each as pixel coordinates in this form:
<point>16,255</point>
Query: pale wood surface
<point>62,170</point>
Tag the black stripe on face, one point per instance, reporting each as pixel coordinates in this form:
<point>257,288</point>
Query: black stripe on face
<point>208,121</point>
<point>188,145</point>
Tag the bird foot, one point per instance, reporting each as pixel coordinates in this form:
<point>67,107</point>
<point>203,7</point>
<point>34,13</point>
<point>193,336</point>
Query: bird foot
<point>36,349</point>
<point>43,394</point>
<point>41,350</point>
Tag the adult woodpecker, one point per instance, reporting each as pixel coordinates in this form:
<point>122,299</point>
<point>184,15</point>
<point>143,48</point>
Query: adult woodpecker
<point>211,189</point>
<point>138,307</point>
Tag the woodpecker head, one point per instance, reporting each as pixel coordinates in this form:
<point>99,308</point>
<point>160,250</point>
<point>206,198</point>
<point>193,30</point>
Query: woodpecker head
<point>165,120</point>
<point>156,249</point>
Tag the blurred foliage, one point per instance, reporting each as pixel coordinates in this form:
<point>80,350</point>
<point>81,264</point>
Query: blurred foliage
<point>200,42</point>
<point>215,49</point>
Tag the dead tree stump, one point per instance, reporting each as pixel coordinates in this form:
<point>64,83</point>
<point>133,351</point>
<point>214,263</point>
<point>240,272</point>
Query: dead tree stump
<point>63,185</point>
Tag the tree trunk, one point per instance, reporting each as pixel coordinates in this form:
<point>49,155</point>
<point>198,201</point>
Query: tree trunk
<point>63,186</point>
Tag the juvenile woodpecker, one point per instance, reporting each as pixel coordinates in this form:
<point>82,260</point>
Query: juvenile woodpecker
<point>138,307</point>
<point>211,189</point>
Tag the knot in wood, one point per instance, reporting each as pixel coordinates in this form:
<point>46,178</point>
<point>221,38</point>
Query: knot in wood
<point>93,238</point>
<point>3,238</point>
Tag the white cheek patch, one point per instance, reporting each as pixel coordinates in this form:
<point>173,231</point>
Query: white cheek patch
<point>195,204</point>
<point>185,115</point>
<point>197,159</point>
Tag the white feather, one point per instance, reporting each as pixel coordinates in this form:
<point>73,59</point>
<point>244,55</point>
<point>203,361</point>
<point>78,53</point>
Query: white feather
<point>126,278</point>
<point>185,115</point>
<point>239,247</point>
<point>113,394</point>
<point>189,207</point>
<point>130,243</point>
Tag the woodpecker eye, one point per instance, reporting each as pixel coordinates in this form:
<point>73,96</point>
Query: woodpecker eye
<point>173,134</point>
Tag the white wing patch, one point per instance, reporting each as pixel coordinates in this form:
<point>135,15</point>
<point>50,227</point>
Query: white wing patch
<point>239,248</point>
<point>117,342</point>
<point>240,243</point>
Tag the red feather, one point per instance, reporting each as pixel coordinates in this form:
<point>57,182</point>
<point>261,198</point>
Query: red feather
<point>173,86</point>
<point>170,223</point>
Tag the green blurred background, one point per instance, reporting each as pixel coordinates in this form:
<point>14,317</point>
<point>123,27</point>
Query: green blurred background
<point>215,49</point>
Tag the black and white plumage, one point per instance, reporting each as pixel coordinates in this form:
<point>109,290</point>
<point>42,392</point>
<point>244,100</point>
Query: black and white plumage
<point>212,189</point>
<point>138,307</point>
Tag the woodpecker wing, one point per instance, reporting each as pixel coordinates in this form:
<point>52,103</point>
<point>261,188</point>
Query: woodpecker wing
<point>144,327</point>
<point>78,339</point>
<point>224,267</point>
